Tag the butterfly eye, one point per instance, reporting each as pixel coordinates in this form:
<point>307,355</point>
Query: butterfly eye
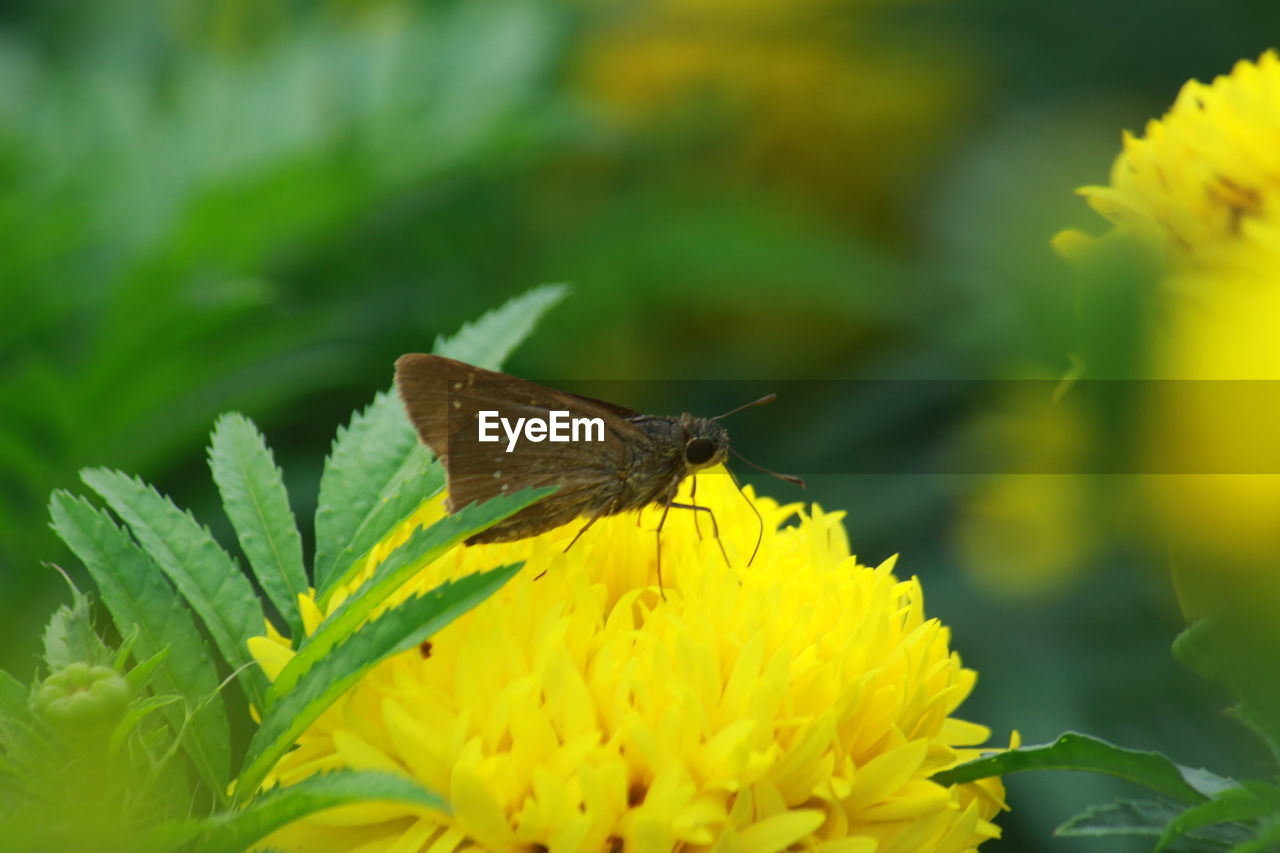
<point>699,450</point>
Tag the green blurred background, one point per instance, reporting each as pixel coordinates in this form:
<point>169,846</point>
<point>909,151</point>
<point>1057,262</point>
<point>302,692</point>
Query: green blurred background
<point>257,205</point>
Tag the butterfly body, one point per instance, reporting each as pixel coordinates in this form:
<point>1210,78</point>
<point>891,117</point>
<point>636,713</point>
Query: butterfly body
<point>639,460</point>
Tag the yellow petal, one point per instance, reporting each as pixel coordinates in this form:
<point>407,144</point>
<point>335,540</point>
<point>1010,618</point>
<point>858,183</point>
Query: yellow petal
<point>780,831</point>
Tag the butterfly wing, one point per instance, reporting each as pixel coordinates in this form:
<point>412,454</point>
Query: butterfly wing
<point>444,397</point>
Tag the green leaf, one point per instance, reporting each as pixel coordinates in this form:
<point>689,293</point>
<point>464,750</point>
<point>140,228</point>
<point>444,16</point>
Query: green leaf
<point>137,595</point>
<point>69,634</point>
<point>24,738</point>
<point>488,341</point>
<point>369,465</point>
<point>17,722</point>
<point>1123,817</point>
<point>237,830</point>
<point>1233,648</point>
<point>1265,791</point>
<point>120,661</point>
<point>281,806</point>
<point>13,696</point>
<point>138,711</point>
<point>423,547</point>
<point>11,777</point>
<point>360,471</point>
<point>141,674</point>
<point>419,479</point>
<point>1206,781</point>
<point>1235,804</point>
<point>1266,840</point>
<point>1150,819</point>
<point>254,497</point>
<point>206,575</point>
<point>396,630</point>
<point>1146,819</point>
<point>1074,751</point>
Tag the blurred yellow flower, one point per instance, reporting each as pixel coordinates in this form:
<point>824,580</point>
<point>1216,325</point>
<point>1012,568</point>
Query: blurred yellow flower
<point>1214,426</point>
<point>819,97</point>
<point>1201,192</point>
<point>801,703</point>
<point>1027,532</point>
<point>1204,181</point>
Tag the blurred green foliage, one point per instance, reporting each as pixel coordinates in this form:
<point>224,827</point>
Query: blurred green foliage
<point>259,205</point>
<point>193,226</point>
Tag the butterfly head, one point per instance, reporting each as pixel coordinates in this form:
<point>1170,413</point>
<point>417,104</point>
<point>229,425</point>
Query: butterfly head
<point>706,443</point>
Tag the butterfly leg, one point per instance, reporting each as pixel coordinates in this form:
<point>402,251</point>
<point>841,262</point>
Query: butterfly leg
<point>715,528</point>
<point>575,538</point>
<point>693,499</point>
<point>583,530</point>
<point>658,533</point>
<point>759,518</point>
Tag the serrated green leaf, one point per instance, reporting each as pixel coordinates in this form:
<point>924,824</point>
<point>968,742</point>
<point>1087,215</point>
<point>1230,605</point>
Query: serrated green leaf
<point>17,723</point>
<point>371,454</point>
<point>1206,781</point>
<point>488,341</point>
<point>120,661</point>
<point>206,575</point>
<point>141,674</point>
<point>402,627</point>
<point>69,634</point>
<point>1123,817</point>
<point>1145,819</point>
<point>283,806</point>
<point>137,595</point>
<point>367,456</point>
<point>137,712</point>
<point>13,694</point>
<point>419,479</point>
<point>234,831</point>
<point>1075,751</point>
<point>254,497</point>
<point>422,547</point>
<point>1236,804</point>
<point>24,738</point>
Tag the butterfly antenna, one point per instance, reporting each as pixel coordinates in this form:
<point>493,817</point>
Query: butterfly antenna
<point>767,398</point>
<point>790,478</point>
<point>759,517</point>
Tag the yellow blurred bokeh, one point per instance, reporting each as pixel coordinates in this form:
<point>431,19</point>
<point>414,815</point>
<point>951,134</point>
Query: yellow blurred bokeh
<point>809,92</point>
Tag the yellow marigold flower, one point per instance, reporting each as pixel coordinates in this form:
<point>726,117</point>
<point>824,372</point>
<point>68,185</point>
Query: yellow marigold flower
<point>801,703</point>
<point>1202,187</point>
<point>1205,178</point>
<point>1219,422</point>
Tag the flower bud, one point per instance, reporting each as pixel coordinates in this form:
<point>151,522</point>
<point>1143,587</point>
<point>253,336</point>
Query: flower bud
<point>81,696</point>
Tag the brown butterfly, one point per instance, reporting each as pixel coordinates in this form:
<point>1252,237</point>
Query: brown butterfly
<point>637,460</point>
